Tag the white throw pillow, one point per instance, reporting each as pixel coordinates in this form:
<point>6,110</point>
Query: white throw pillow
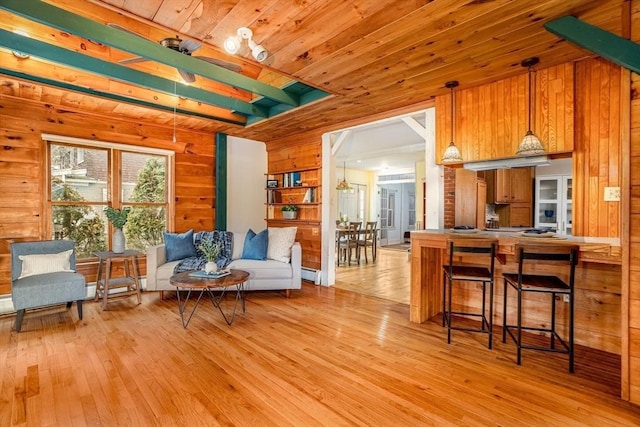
<point>280,242</point>
<point>45,263</point>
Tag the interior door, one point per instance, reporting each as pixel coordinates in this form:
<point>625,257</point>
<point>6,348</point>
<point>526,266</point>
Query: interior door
<point>383,202</point>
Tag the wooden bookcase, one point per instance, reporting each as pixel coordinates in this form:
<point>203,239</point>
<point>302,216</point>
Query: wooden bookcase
<point>300,188</point>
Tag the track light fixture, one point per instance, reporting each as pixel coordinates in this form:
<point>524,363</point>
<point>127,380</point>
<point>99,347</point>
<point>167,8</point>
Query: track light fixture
<point>234,43</point>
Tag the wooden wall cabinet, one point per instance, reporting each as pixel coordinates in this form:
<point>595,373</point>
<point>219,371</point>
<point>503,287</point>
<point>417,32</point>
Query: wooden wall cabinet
<point>510,185</point>
<point>521,185</point>
<point>470,199</point>
<point>515,214</point>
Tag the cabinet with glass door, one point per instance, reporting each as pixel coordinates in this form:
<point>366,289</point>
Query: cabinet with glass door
<point>553,207</point>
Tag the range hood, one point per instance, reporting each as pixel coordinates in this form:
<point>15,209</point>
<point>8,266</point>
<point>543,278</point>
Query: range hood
<point>515,162</point>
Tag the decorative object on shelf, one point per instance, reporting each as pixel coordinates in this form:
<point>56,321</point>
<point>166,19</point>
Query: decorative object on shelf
<point>530,144</point>
<point>548,213</point>
<point>117,217</point>
<point>211,252</point>
<point>233,44</point>
<point>452,154</point>
<point>344,185</point>
<point>272,183</point>
<point>289,211</point>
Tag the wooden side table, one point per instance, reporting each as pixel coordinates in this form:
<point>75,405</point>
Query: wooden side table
<point>131,282</point>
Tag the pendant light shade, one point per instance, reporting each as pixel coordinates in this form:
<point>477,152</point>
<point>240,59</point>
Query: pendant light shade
<point>530,144</point>
<point>452,154</point>
<point>344,185</point>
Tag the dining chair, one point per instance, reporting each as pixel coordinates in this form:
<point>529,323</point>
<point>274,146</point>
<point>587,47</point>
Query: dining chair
<point>367,239</point>
<point>349,244</point>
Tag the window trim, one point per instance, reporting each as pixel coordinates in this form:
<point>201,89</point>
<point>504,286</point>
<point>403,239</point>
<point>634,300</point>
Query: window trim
<point>48,137</point>
<point>111,147</point>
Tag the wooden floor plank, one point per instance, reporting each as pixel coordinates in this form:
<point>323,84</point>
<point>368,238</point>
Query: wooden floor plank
<point>325,356</point>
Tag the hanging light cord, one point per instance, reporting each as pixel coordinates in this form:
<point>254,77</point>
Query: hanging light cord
<point>452,113</point>
<point>175,102</point>
<point>530,90</point>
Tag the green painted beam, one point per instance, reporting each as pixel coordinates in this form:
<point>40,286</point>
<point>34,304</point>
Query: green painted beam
<point>113,96</point>
<point>221,181</point>
<point>310,96</point>
<point>59,55</point>
<point>608,45</point>
<point>52,16</point>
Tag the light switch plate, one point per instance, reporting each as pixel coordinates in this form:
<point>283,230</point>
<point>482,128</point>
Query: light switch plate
<point>611,194</point>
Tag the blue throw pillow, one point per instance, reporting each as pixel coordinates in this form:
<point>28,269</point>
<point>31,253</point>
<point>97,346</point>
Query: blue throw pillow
<point>255,245</point>
<point>179,246</point>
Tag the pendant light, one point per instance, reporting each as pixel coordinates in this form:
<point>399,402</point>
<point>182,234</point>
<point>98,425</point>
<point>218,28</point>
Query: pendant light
<point>452,154</point>
<point>344,185</point>
<point>530,144</point>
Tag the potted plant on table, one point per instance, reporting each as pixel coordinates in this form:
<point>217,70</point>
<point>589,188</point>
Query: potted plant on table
<point>289,211</point>
<point>117,217</point>
<point>211,252</point>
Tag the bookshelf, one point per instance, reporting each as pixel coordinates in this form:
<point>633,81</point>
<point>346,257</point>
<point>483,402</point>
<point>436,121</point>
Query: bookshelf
<point>300,188</point>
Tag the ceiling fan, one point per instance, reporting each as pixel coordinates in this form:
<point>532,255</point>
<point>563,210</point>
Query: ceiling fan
<point>186,47</point>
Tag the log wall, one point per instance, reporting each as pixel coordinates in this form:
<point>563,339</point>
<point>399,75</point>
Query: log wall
<point>22,162</point>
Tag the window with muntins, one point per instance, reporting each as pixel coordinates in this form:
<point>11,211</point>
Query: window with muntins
<point>84,180</point>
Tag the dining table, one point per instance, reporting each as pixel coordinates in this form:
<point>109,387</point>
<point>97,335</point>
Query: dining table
<point>344,232</point>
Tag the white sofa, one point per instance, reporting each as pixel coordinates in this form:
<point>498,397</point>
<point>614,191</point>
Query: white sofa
<point>263,275</point>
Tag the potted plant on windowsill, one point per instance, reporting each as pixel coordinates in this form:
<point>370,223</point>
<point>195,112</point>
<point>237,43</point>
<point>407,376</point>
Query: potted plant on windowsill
<point>289,211</point>
<point>117,217</point>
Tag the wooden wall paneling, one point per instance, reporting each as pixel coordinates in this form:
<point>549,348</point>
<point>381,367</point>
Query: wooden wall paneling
<point>21,162</point>
<point>597,153</point>
<point>631,375</point>
<point>195,190</point>
<point>490,120</point>
<point>294,153</point>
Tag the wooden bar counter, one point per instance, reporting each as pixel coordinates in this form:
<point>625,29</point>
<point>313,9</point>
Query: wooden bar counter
<point>597,286</point>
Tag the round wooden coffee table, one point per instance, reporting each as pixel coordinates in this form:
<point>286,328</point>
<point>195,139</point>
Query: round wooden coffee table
<point>216,288</point>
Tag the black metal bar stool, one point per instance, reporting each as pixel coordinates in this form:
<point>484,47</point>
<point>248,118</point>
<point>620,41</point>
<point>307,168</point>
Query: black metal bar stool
<point>478,253</point>
<point>530,257</point>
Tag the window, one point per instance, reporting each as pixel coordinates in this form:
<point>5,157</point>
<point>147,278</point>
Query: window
<point>84,180</point>
<point>412,211</point>
<point>391,209</point>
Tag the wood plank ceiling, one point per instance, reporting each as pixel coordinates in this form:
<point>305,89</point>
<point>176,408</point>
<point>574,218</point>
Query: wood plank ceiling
<point>373,56</point>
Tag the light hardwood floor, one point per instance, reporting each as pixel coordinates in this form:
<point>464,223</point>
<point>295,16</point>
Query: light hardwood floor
<point>325,356</point>
<point>388,278</point>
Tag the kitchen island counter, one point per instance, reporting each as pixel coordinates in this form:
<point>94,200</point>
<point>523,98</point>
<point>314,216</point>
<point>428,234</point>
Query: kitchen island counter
<point>598,280</point>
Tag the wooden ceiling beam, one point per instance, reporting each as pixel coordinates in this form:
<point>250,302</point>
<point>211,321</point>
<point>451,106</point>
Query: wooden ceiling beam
<point>113,96</point>
<point>59,55</point>
<point>52,16</point>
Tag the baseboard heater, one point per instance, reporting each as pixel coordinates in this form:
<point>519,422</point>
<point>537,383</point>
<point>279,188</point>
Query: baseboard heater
<point>311,275</point>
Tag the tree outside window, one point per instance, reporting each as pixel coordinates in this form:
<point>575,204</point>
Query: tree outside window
<point>80,182</point>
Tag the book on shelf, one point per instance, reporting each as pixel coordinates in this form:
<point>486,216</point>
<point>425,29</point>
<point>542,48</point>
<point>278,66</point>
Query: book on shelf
<point>309,196</point>
<point>274,196</point>
<point>291,179</point>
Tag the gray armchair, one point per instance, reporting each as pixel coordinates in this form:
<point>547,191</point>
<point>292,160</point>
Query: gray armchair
<point>45,288</point>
